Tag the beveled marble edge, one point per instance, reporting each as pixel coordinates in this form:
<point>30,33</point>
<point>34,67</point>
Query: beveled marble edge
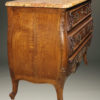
<point>45,5</point>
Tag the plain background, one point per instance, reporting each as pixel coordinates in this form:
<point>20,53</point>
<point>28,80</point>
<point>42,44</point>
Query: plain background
<point>84,84</point>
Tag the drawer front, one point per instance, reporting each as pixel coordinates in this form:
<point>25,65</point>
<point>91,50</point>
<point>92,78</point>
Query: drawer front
<point>78,14</point>
<point>76,38</point>
<point>75,60</point>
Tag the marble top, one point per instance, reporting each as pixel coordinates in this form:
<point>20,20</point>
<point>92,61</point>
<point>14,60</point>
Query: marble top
<point>45,3</point>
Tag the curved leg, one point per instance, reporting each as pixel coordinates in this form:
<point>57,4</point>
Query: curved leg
<point>59,91</point>
<point>14,89</point>
<point>85,58</point>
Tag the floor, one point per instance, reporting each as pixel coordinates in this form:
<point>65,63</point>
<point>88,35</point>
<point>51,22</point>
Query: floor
<point>82,85</point>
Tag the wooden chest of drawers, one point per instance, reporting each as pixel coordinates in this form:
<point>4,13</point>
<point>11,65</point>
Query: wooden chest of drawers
<point>47,40</point>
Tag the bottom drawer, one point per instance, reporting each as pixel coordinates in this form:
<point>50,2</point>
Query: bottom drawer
<point>76,58</point>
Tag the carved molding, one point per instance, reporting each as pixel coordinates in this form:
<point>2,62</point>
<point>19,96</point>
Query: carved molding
<point>76,61</point>
<point>79,36</point>
<point>78,15</point>
<point>73,64</point>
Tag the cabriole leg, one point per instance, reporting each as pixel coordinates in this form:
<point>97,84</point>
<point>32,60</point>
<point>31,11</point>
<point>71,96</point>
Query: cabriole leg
<point>14,89</point>
<point>59,91</point>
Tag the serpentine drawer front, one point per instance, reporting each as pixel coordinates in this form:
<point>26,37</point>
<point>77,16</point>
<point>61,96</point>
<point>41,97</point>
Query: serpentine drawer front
<point>78,14</point>
<point>47,40</point>
<point>78,36</point>
<point>77,57</point>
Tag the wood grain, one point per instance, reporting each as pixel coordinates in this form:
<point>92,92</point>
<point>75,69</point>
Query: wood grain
<point>39,48</point>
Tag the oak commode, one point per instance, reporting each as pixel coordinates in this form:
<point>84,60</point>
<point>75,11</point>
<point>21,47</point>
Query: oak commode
<point>47,40</point>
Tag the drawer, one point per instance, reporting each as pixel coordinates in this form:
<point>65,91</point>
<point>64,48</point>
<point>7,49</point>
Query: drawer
<point>76,58</point>
<point>78,14</point>
<point>77,37</point>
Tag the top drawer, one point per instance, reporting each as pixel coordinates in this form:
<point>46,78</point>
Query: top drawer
<point>78,14</point>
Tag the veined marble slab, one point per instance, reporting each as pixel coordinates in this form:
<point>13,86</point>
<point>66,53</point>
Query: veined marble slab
<point>45,3</point>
